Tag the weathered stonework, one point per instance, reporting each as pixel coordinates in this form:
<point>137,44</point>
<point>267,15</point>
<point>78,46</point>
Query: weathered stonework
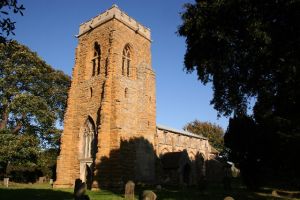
<point>110,134</point>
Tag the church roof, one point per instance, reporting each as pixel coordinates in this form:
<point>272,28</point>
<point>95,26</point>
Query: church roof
<point>114,13</point>
<point>182,132</point>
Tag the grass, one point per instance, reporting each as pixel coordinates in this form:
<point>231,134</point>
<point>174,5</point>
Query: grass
<point>44,192</point>
<point>213,192</point>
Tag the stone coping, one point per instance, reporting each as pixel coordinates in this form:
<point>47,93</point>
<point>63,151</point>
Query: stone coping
<point>181,132</point>
<point>114,13</point>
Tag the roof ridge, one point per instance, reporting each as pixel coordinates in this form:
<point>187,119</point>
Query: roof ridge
<point>179,131</point>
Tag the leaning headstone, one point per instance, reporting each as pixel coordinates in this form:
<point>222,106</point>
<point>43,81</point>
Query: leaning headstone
<point>149,195</point>
<point>129,190</point>
<point>6,181</point>
<point>79,190</point>
<point>228,198</point>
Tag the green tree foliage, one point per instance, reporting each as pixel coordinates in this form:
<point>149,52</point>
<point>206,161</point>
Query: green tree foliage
<point>249,51</point>
<point>7,26</point>
<point>32,94</point>
<point>18,150</point>
<point>33,98</point>
<point>213,132</point>
<point>47,162</point>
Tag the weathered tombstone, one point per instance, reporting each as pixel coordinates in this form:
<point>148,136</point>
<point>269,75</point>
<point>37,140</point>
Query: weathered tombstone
<point>79,190</point>
<point>228,198</point>
<point>51,182</point>
<point>129,190</point>
<point>42,179</point>
<point>6,181</point>
<point>158,187</point>
<point>149,195</point>
<point>274,193</point>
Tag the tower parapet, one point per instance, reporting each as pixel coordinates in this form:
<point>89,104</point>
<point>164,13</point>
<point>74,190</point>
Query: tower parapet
<point>114,13</point>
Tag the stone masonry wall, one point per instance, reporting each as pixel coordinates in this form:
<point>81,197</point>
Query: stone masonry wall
<point>118,117</point>
<point>168,141</point>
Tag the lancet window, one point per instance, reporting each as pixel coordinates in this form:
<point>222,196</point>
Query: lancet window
<point>96,59</point>
<point>126,61</point>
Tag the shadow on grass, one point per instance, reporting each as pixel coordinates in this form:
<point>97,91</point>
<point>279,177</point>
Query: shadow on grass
<point>213,192</point>
<point>192,194</point>
<point>34,194</point>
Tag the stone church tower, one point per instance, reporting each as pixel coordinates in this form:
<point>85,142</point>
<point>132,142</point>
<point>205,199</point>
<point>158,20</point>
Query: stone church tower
<point>110,122</point>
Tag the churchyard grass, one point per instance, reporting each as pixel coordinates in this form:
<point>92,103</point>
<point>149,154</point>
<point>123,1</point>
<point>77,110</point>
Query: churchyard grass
<point>213,192</point>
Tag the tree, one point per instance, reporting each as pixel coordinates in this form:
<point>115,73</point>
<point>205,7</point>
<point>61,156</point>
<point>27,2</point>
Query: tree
<point>46,162</point>
<point>18,151</point>
<point>32,100</point>
<point>213,132</point>
<point>32,94</point>
<point>7,26</point>
<point>249,51</point>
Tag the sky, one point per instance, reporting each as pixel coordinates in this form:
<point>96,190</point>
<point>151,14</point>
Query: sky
<point>49,28</point>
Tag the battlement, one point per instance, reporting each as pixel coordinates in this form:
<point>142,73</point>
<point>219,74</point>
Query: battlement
<point>114,13</point>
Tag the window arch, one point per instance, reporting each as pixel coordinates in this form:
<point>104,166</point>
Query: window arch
<point>126,61</point>
<point>89,139</point>
<point>96,59</point>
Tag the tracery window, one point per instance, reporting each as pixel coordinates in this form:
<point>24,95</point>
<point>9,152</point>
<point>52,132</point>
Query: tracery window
<point>88,140</point>
<point>96,59</point>
<point>126,61</point>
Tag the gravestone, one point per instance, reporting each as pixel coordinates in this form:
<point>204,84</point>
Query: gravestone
<point>228,198</point>
<point>79,190</point>
<point>158,188</point>
<point>51,182</point>
<point>42,179</point>
<point>129,190</point>
<point>6,181</point>
<point>274,193</point>
<point>149,195</point>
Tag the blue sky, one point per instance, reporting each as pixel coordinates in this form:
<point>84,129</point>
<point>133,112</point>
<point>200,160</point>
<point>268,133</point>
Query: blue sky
<point>49,28</point>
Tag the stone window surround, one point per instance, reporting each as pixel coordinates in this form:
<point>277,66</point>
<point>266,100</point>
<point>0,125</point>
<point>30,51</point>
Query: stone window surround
<point>96,59</point>
<point>126,60</point>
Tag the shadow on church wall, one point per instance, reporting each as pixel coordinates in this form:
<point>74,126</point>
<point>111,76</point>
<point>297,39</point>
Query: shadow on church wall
<point>136,160</point>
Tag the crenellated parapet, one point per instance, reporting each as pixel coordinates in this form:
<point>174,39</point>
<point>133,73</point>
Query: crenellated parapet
<point>114,13</point>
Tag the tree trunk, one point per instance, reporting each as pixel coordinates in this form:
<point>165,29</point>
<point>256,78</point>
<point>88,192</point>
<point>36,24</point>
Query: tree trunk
<point>4,118</point>
<point>19,125</point>
<point>16,130</point>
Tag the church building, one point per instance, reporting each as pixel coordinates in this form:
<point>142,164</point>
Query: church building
<point>110,132</point>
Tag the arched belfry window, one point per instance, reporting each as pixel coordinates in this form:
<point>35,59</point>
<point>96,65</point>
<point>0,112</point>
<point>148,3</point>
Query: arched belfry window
<point>89,139</point>
<point>126,61</point>
<point>96,59</point>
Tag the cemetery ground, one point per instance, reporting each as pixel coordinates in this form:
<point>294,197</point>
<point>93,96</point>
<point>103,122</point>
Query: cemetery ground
<point>17,191</point>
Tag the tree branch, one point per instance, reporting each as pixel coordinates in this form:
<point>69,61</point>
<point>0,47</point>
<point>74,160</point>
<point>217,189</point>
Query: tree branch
<point>19,125</point>
<point>16,130</point>
<point>4,118</point>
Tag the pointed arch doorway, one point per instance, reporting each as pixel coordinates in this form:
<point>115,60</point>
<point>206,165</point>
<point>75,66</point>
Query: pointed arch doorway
<point>88,150</point>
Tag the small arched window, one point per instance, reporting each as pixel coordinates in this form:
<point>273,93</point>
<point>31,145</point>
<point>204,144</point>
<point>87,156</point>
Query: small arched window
<point>126,61</point>
<point>96,59</point>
